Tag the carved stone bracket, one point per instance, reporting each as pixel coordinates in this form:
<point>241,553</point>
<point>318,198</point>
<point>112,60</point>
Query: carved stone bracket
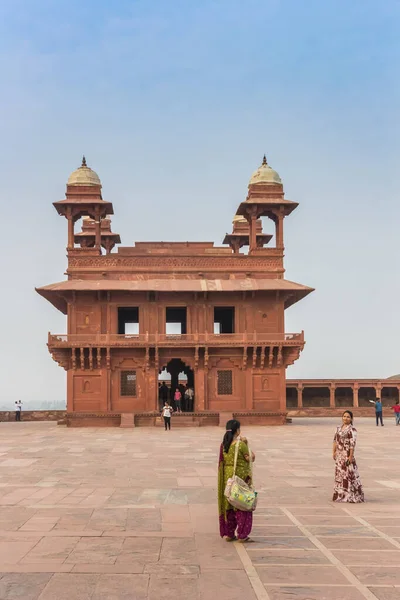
<point>98,358</point>
<point>279,356</point>
<point>254,356</point>
<point>262,359</point>
<point>61,357</point>
<point>270,357</point>
<point>108,358</point>
<point>206,358</point>
<point>82,356</point>
<point>91,358</point>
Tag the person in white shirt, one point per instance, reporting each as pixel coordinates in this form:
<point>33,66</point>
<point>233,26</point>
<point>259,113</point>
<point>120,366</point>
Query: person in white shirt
<point>166,413</point>
<point>18,409</point>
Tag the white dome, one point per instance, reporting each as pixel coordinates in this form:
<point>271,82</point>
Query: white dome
<point>265,174</point>
<point>84,176</point>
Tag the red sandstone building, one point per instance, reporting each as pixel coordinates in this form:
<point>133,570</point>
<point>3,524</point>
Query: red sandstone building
<point>215,313</point>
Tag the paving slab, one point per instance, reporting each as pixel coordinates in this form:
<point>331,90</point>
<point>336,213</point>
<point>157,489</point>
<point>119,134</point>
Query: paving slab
<point>103,514</point>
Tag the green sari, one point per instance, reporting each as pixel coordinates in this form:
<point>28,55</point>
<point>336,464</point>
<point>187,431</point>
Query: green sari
<point>225,471</point>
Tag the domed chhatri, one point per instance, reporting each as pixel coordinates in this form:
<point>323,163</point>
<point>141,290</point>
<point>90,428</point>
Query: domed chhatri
<point>84,176</point>
<point>265,174</point>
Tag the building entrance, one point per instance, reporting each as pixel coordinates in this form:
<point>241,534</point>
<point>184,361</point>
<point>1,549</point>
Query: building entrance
<point>176,375</point>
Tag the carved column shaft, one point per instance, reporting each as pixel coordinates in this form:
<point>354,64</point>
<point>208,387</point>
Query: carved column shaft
<point>70,231</point>
<point>332,395</point>
<point>355,395</point>
<point>97,226</point>
<point>300,388</point>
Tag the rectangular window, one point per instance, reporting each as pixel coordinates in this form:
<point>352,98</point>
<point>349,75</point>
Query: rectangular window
<point>224,319</point>
<point>225,383</point>
<point>128,320</point>
<point>175,320</point>
<point>128,383</point>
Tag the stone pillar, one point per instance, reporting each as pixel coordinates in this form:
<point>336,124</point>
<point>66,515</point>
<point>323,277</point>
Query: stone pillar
<point>279,231</point>
<point>70,232</point>
<point>332,396</point>
<point>98,234</point>
<point>199,389</point>
<point>300,388</point>
<point>253,232</point>
<point>355,395</point>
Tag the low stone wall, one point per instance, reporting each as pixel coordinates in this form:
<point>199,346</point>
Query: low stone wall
<point>93,419</point>
<point>33,415</point>
<point>264,418</point>
<point>153,419</point>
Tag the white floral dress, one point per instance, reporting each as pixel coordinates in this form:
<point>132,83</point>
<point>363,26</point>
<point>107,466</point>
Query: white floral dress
<point>348,486</point>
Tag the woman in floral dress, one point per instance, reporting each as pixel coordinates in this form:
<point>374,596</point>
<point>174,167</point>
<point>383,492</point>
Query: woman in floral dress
<point>348,486</point>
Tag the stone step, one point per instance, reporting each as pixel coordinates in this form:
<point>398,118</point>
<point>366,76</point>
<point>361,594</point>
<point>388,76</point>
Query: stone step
<point>127,420</point>
<point>179,422</point>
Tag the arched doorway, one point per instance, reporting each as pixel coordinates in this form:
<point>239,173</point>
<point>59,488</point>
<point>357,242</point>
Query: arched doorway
<point>177,374</point>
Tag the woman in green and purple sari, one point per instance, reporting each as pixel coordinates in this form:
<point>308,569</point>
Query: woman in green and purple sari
<point>234,524</point>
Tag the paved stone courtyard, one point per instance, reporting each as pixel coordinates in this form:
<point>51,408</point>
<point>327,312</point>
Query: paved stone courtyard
<point>114,514</point>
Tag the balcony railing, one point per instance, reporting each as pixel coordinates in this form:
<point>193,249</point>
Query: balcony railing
<point>188,339</point>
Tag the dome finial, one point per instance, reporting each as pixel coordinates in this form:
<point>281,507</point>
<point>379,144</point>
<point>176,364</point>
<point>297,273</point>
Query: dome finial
<point>264,160</point>
<point>83,161</point>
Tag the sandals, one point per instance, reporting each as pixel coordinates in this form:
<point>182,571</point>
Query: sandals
<point>245,540</point>
<point>229,539</point>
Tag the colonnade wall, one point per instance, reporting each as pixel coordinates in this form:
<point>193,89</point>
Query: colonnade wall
<point>310,394</point>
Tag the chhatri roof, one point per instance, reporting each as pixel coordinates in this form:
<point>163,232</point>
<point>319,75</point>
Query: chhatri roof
<point>265,174</point>
<point>84,176</point>
<point>54,292</point>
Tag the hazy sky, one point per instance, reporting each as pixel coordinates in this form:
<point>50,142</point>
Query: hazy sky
<point>174,103</point>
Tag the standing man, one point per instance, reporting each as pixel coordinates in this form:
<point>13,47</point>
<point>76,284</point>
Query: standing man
<point>18,409</point>
<point>396,410</point>
<point>166,413</point>
<point>378,410</point>
<point>189,396</point>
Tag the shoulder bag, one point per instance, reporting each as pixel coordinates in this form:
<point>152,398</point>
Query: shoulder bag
<point>238,493</point>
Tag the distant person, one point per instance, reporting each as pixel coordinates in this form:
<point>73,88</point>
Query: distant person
<point>189,397</point>
<point>166,413</point>
<point>162,393</point>
<point>396,410</point>
<point>378,410</point>
<point>348,486</point>
<point>182,389</point>
<point>178,398</point>
<point>18,410</point>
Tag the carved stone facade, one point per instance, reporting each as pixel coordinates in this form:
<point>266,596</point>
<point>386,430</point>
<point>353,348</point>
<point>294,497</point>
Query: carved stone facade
<point>212,313</point>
